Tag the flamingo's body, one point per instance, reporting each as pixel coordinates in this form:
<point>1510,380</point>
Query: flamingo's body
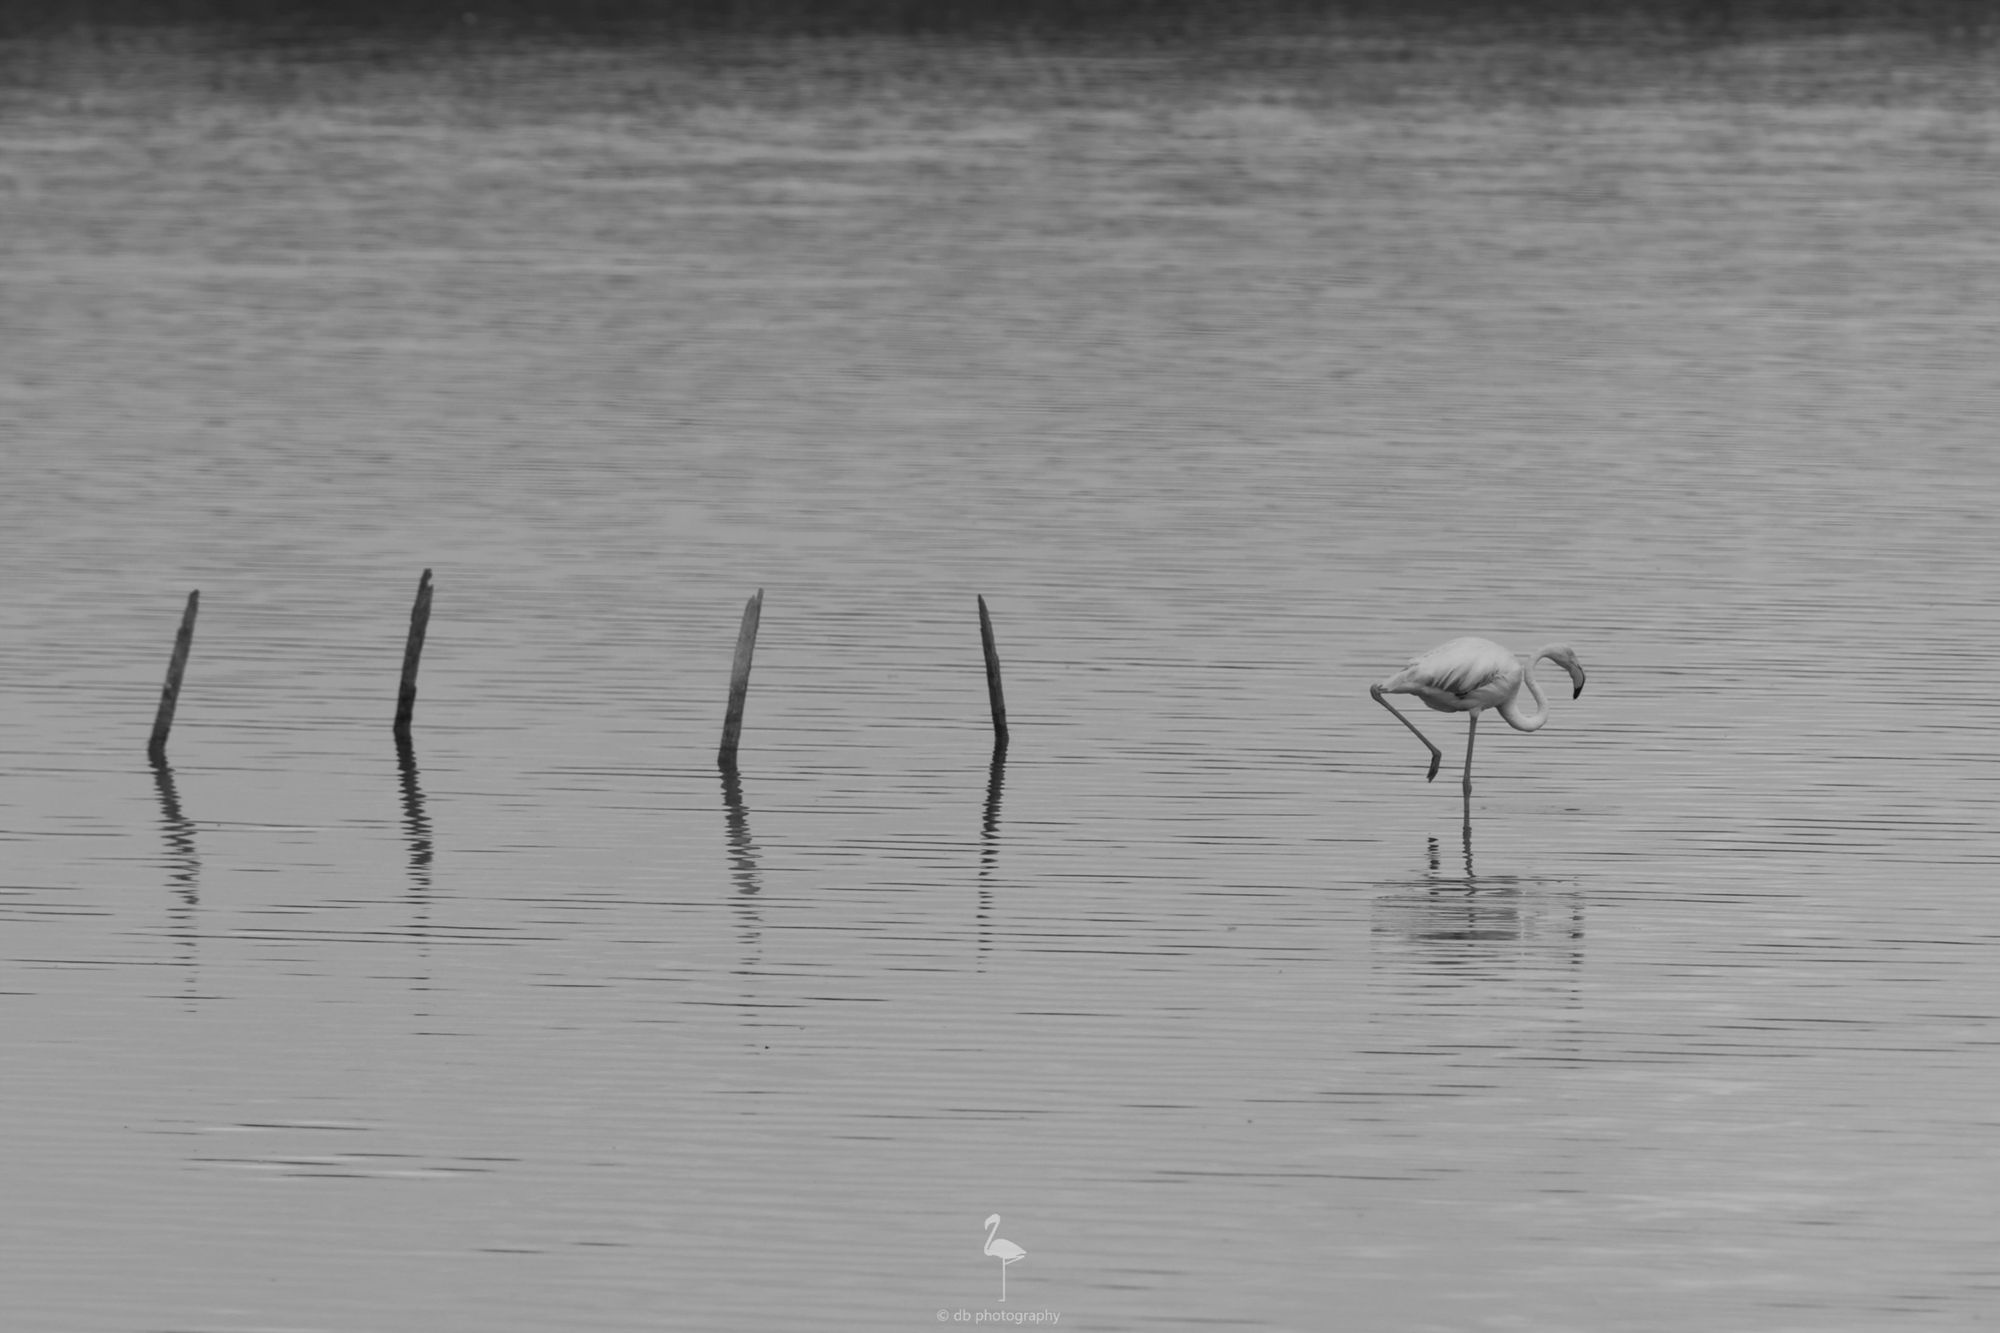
<point>1006,1251</point>
<point>1470,676</point>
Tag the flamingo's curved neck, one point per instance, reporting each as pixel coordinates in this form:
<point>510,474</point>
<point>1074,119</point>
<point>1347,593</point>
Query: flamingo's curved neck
<point>992,1229</point>
<point>1511,712</point>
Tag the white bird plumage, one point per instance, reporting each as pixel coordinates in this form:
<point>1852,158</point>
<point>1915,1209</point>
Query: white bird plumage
<point>1006,1251</point>
<point>1469,676</point>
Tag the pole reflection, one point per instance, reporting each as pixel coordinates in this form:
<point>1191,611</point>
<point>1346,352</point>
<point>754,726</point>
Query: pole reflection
<point>183,867</point>
<point>743,852</point>
<point>417,834</point>
<point>416,824</point>
<point>989,843</point>
<point>989,824</point>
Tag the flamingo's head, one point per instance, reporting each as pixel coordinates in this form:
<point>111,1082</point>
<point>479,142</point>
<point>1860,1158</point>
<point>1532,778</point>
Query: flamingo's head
<point>1564,656</point>
<point>992,1221</point>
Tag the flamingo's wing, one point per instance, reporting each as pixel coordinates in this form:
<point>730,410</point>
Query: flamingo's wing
<point>1453,675</point>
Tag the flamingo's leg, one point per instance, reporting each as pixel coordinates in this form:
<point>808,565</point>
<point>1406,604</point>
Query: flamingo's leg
<point>1471,733</point>
<point>1437,755</point>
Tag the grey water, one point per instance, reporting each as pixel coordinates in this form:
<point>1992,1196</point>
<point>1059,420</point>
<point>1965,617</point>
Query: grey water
<point>1231,384</point>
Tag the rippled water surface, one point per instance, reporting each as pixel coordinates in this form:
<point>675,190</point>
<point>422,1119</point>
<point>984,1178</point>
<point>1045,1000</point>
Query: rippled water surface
<point>1230,387</point>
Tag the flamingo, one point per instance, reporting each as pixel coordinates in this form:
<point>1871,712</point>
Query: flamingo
<point>1469,676</point>
<point>1006,1251</point>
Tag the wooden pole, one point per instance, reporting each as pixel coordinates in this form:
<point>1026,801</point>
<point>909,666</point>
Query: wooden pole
<point>993,693</point>
<point>413,651</point>
<point>170,693</point>
<point>739,680</point>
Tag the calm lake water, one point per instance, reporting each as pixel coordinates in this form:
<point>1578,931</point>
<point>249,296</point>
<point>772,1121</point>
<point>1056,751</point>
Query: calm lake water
<point>1231,383</point>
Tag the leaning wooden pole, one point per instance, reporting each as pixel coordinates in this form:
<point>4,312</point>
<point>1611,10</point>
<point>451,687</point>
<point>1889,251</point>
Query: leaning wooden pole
<point>413,652</point>
<point>993,692</point>
<point>739,680</point>
<point>170,693</point>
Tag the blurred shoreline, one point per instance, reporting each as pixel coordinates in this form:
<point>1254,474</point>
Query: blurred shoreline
<point>1643,23</point>
<point>327,53</point>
